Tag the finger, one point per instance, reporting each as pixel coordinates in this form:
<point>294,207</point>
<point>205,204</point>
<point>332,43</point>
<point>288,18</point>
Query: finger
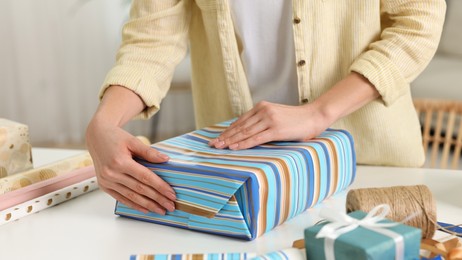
<point>232,126</point>
<point>113,180</point>
<point>262,105</point>
<point>260,138</point>
<point>247,132</point>
<point>135,201</point>
<point>148,192</point>
<point>147,177</point>
<point>125,201</point>
<point>146,152</point>
<point>257,109</point>
<point>143,139</point>
<point>241,126</point>
<point>237,130</point>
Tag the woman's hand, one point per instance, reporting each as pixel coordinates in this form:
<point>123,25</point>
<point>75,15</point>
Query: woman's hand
<point>268,122</point>
<point>113,149</point>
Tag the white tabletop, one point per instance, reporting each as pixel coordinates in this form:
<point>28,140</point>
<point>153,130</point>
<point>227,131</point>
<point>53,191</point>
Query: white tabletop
<point>86,228</point>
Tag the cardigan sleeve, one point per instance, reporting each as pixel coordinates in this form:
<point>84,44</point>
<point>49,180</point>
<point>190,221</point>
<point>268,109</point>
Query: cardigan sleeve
<point>411,30</point>
<point>154,41</point>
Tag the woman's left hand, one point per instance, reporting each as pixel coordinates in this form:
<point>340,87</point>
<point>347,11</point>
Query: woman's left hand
<point>268,122</point>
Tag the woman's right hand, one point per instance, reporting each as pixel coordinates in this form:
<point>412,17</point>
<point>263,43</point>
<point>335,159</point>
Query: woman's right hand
<point>112,150</point>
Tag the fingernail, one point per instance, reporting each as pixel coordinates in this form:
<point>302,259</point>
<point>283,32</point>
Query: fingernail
<point>220,144</point>
<point>233,146</point>
<point>170,207</point>
<point>212,142</point>
<point>164,156</point>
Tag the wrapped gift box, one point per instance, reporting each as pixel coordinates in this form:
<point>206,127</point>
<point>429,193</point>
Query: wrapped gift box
<point>363,243</point>
<point>246,193</point>
<point>15,148</point>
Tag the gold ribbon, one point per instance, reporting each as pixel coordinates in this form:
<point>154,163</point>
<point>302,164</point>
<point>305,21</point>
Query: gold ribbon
<point>450,249</point>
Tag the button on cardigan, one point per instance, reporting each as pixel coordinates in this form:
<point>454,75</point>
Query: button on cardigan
<point>387,41</point>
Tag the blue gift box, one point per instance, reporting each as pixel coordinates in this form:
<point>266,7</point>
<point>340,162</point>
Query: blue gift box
<point>364,243</point>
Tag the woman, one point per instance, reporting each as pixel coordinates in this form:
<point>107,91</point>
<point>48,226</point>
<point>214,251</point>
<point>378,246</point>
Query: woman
<point>288,69</point>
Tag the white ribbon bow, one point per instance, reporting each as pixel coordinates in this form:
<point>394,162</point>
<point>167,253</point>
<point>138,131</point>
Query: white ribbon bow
<point>341,223</point>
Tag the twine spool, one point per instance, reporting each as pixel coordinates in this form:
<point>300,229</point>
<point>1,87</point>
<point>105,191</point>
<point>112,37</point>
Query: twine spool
<point>404,201</point>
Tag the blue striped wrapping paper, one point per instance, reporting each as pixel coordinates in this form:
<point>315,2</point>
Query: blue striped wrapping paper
<point>246,193</point>
<point>285,254</point>
<point>212,256</point>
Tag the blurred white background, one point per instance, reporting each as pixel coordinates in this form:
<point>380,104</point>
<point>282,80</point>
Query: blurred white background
<point>54,57</point>
<point>55,54</point>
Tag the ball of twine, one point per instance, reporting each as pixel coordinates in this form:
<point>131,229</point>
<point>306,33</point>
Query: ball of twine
<point>404,201</point>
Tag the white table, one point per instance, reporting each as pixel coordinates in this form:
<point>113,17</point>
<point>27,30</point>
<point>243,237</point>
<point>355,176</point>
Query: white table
<point>86,228</point>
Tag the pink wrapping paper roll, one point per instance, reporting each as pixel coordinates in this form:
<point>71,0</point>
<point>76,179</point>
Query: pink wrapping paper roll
<point>39,189</point>
<point>48,200</point>
<point>49,171</point>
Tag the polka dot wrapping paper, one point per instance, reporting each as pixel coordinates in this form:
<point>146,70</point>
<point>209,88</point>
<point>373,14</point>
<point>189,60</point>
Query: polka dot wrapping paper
<point>33,190</point>
<point>47,200</point>
<point>244,194</point>
<point>16,197</point>
<point>15,148</point>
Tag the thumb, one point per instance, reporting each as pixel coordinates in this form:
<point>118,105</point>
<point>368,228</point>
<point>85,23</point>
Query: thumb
<point>139,149</point>
<point>143,139</point>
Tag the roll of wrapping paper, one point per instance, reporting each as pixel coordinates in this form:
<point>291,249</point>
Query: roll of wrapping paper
<point>26,178</point>
<point>48,200</point>
<point>39,189</point>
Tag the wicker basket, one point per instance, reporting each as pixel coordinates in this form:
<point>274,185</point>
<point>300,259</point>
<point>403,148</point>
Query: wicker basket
<point>441,122</point>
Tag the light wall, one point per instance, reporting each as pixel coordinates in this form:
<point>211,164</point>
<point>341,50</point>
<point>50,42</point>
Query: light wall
<point>442,78</point>
<point>54,57</point>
